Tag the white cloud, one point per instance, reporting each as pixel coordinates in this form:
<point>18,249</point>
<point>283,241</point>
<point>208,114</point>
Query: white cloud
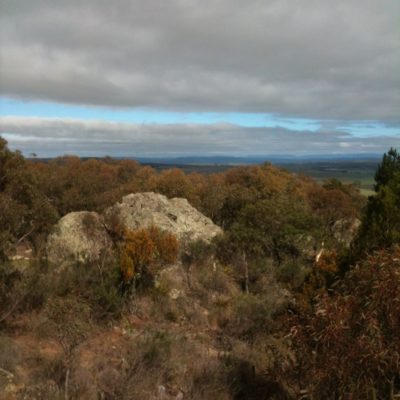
<point>52,136</point>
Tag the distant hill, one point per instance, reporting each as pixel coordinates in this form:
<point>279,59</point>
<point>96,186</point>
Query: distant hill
<point>233,160</point>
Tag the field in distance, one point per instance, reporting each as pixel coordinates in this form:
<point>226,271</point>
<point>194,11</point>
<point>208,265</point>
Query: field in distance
<point>350,171</point>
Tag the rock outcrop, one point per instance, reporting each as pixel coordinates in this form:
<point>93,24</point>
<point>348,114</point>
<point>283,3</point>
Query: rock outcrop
<point>141,210</point>
<point>307,246</point>
<point>84,236</point>
<point>345,230</point>
<point>78,237</point>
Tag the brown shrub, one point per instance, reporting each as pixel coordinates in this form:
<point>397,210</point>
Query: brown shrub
<point>9,354</point>
<point>356,330</point>
<point>143,251</point>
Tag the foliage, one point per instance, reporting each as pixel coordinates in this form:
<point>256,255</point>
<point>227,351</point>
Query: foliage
<point>356,330</point>
<point>318,282</point>
<point>68,320</point>
<point>252,315</point>
<point>381,221</point>
<point>274,222</point>
<point>9,290</point>
<point>33,193</point>
<point>175,183</point>
<point>292,273</point>
<point>23,291</point>
<point>387,168</point>
<point>334,200</point>
<point>144,250</point>
<point>24,209</point>
<point>270,228</point>
<point>98,285</point>
<point>9,355</point>
<point>198,253</point>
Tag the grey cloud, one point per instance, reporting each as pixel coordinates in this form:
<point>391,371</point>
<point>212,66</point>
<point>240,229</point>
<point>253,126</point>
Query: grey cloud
<point>312,58</point>
<point>52,137</point>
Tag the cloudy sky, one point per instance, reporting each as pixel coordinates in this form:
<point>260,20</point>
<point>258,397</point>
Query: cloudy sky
<point>191,77</point>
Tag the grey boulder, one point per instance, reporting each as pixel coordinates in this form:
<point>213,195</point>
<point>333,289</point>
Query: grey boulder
<point>177,216</point>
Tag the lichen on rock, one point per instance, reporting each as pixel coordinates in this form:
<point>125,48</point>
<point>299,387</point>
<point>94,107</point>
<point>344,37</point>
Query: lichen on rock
<point>78,237</point>
<point>177,216</point>
<point>87,236</point>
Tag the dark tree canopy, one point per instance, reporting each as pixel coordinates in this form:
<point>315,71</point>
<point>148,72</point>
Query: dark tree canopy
<point>387,168</point>
<point>381,222</point>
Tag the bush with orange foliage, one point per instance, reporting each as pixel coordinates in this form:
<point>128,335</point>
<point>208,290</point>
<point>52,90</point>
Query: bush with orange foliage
<point>324,273</point>
<point>327,262</point>
<point>331,204</point>
<point>143,251</point>
<point>348,347</point>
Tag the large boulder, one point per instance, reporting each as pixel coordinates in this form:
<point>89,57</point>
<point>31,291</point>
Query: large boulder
<point>345,230</point>
<point>84,236</point>
<point>142,210</point>
<point>78,237</point>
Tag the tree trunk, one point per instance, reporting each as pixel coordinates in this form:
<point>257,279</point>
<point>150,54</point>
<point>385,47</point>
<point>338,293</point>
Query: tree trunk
<point>66,385</point>
<point>246,273</point>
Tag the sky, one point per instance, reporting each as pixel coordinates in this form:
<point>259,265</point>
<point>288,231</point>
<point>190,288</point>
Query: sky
<point>189,77</point>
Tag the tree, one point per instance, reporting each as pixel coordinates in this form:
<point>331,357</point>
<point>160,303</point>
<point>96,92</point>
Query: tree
<point>331,204</point>
<point>387,168</point>
<point>381,223</point>
<point>173,183</point>
<point>380,226</point>
<point>271,228</point>
<point>24,210</point>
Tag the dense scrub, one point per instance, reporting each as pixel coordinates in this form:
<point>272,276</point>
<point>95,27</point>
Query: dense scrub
<point>34,194</point>
<point>355,330</point>
<point>278,307</point>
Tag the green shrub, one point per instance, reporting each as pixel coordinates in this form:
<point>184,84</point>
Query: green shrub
<point>199,253</point>
<point>292,273</point>
<point>99,285</point>
<point>251,315</point>
<point>67,319</point>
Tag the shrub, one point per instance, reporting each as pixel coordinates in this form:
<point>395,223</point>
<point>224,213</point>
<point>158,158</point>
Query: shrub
<point>292,273</point>
<point>198,253</point>
<point>9,280</point>
<point>177,364</point>
<point>165,243</point>
<point>356,329</point>
<point>251,315</point>
<point>143,251</point>
<point>44,391</point>
<point>51,369</point>
<point>9,354</point>
<point>99,286</point>
<point>23,290</point>
<point>68,320</point>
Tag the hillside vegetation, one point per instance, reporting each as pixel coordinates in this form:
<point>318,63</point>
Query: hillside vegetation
<point>297,299</point>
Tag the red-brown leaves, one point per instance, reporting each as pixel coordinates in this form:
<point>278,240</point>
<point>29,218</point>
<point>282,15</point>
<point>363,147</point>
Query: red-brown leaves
<point>143,249</point>
<point>354,334</point>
